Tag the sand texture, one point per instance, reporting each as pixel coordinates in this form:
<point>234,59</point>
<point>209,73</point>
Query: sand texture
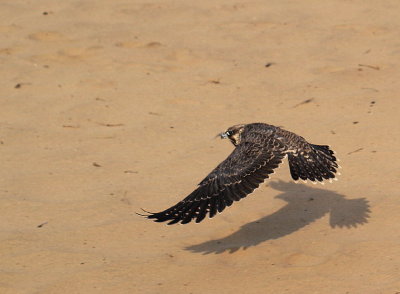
<point>110,106</point>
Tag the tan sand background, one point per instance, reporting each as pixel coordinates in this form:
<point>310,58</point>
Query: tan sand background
<point>109,106</point>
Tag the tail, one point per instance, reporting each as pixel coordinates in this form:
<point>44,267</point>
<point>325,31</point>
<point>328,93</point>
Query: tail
<point>315,165</point>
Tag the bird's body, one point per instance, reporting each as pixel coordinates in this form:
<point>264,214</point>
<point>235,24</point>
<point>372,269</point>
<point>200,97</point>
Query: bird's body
<point>259,149</point>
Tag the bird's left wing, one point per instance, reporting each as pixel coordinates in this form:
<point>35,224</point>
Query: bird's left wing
<point>234,178</point>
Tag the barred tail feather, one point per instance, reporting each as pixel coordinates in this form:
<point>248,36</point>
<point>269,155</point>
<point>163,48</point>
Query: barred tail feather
<point>316,165</point>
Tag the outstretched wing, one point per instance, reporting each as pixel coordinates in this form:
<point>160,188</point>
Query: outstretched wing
<point>236,177</point>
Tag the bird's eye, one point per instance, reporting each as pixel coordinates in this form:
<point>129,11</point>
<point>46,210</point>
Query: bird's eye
<point>229,133</point>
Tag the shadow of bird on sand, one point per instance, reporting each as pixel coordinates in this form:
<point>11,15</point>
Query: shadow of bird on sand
<point>304,205</point>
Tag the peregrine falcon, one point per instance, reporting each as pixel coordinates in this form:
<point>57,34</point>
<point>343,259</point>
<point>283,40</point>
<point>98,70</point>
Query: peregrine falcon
<point>259,149</point>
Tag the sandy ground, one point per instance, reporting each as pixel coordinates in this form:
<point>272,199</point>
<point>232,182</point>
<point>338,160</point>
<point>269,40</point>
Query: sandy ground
<point>109,106</point>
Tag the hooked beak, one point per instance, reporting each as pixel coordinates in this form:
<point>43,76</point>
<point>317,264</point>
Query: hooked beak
<point>223,135</point>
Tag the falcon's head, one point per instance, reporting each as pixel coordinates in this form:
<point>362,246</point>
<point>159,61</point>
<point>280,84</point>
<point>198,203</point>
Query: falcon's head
<point>233,133</point>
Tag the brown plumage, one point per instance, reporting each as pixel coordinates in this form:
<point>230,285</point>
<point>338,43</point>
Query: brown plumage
<point>259,149</point>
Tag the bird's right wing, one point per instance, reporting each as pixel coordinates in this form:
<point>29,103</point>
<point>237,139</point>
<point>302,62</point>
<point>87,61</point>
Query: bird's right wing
<point>234,178</point>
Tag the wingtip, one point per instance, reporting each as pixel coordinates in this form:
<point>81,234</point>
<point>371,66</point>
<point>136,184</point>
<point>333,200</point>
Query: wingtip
<point>140,214</point>
<point>147,215</point>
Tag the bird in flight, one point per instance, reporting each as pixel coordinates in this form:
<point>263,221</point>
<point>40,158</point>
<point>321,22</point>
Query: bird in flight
<point>259,150</point>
